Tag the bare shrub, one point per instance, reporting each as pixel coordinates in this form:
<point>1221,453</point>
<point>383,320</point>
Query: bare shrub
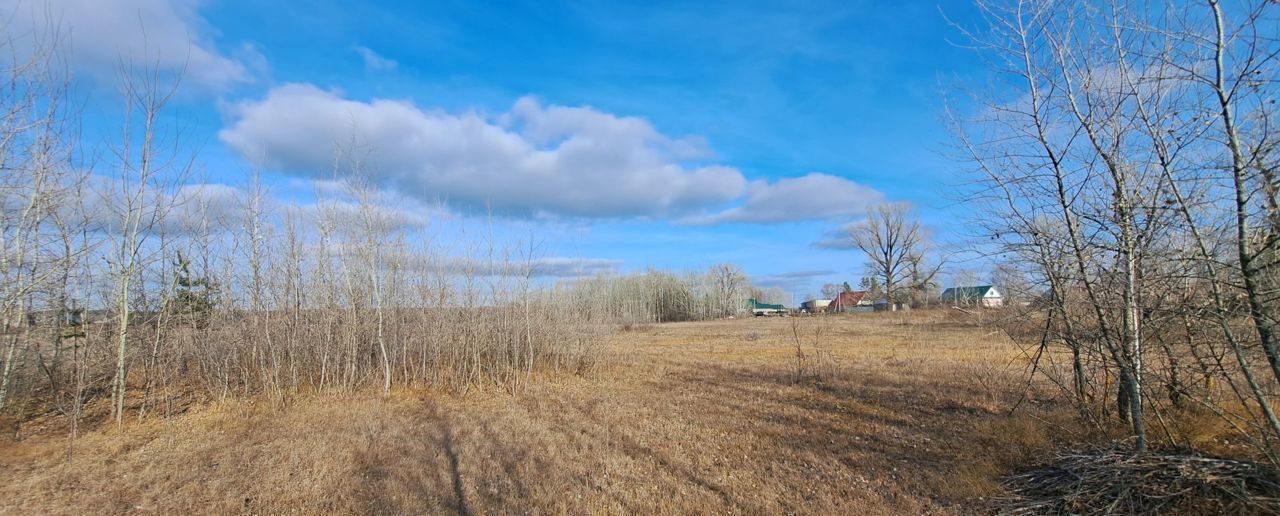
<point>811,360</point>
<point>1129,166</point>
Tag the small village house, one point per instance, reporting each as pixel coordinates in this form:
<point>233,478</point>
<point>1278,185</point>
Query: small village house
<point>850,302</point>
<point>984,296</point>
<point>756,307</point>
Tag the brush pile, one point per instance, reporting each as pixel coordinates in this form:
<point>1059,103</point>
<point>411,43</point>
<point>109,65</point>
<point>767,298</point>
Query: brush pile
<point>1115,481</point>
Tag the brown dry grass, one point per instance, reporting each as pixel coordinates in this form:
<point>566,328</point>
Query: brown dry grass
<point>911,416</point>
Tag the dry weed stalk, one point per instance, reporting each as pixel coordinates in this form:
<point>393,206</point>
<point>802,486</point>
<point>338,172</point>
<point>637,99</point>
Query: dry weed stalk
<point>816,362</point>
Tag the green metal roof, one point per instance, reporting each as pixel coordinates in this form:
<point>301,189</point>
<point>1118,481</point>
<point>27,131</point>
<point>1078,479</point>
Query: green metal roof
<point>965,293</point>
<point>752,304</point>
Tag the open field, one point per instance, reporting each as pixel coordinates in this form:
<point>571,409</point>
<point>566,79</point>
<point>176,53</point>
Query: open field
<point>892,414</point>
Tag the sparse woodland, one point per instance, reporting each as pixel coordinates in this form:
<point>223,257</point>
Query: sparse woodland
<point>126,280</point>
<point>1127,158</point>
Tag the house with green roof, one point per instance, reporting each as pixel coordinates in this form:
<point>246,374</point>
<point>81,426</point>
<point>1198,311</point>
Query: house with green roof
<point>758,308</point>
<point>985,296</point>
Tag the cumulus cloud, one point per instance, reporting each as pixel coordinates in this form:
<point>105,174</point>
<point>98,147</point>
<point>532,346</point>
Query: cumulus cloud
<point>813,196</point>
<point>533,160</point>
<point>374,61</point>
<point>100,33</point>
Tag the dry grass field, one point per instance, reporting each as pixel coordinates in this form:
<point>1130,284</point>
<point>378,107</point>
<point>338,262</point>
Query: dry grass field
<point>892,414</point>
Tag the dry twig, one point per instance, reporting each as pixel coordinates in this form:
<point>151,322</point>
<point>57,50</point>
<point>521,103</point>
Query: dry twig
<point>1117,481</point>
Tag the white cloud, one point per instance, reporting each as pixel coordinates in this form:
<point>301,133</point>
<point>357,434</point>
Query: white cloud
<point>99,34</point>
<point>533,160</point>
<point>812,196</point>
<point>374,61</point>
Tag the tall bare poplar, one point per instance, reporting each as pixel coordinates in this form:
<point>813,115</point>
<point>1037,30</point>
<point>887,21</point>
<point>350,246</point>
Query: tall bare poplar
<point>139,194</point>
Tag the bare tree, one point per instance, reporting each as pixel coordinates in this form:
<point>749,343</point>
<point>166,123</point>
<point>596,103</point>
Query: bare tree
<point>831,290</point>
<point>1012,281</point>
<point>37,184</point>
<point>895,246</point>
<point>729,285</point>
<point>140,194</point>
<point>1105,170</point>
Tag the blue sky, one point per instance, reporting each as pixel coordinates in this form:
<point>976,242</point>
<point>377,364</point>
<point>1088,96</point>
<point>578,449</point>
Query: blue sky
<point>662,134</point>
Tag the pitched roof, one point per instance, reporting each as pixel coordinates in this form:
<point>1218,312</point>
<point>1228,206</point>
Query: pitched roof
<point>754,304</point>
<point>965,293</point>
<point>848,298</point>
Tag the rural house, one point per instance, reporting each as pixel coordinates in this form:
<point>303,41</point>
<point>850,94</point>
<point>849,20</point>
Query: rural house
<point>985,296</point>
<point>758,308</point>
<point>848,302</point>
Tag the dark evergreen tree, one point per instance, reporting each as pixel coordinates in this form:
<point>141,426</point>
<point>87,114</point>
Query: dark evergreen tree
<point>194,298</point>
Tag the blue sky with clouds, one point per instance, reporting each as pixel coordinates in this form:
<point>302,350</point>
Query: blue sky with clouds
<point>645,134</point>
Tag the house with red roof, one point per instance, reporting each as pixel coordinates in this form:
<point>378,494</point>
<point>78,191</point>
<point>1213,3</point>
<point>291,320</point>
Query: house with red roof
<point>848,302</point>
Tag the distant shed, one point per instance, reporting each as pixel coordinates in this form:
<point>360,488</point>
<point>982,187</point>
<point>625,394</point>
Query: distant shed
<point>814,306</point>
